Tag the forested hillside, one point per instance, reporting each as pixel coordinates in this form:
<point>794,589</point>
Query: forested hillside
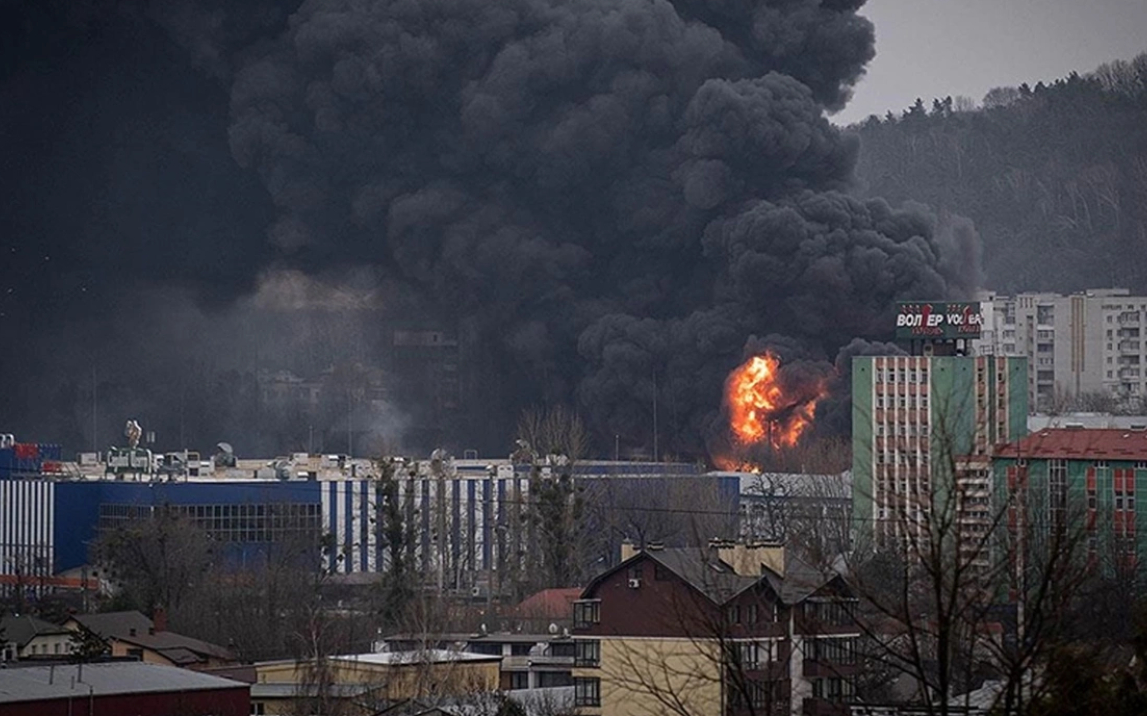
<point>1054,176</point>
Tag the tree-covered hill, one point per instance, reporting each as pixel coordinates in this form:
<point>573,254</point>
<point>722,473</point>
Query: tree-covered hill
<point>1054,176</point>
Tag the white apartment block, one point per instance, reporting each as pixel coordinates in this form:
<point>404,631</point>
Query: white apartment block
<point>1089,342</point>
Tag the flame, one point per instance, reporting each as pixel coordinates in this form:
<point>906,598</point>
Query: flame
<point>761,411</point>
<point>729,464</point>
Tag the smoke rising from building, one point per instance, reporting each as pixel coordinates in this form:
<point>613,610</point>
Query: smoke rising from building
<point>610,204</point>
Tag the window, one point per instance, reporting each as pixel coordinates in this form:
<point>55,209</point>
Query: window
<point>554,679</point>
<point>733,614</point>
<point>748,655</point>
<point>827,612</point>
<point>831,651</point>
<point>833,689</point>
<point>519,679</point>
<point>587,652</point>
<point>258,708</point>
<point>520,649</point>
<point>587,613</point>
<point>587,692</point>
<point>563,648</point>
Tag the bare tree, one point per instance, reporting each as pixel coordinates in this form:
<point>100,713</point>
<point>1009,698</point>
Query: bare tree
<point>963,580</point>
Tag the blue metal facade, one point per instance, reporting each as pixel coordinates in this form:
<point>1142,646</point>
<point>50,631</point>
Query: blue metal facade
<point>465,524</point>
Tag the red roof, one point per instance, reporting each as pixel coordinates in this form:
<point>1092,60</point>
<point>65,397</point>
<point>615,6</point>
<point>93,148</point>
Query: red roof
<point>1079,444</point>
<point>549,604</point>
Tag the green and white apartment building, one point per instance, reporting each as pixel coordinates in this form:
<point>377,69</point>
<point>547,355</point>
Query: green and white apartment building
<point>920,419</point>
<point>1087,484</point>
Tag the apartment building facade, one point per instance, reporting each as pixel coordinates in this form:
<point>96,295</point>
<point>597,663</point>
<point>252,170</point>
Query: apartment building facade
<point>1089,342</point>
<point>1087,484</point>
<point>919,421</point>
<point>729,629</point>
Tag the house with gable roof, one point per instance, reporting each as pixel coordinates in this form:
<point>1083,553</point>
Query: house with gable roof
<point>731,629</point>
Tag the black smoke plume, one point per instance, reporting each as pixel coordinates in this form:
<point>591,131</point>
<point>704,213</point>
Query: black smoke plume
<point>602,201</point>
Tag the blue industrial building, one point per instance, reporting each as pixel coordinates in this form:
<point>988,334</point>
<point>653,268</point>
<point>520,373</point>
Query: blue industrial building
<point>465,517</point>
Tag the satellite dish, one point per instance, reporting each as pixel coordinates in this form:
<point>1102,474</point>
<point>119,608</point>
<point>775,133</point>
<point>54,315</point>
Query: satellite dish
<point>226,447</point>
<point>553,628</point>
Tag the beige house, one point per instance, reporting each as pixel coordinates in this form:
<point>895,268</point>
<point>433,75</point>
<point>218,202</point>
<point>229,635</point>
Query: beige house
<point>26,637</point>
<point>131,634</point>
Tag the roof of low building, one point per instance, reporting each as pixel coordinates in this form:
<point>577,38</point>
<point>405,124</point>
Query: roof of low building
<point>383,658</point>
<point>549,604</point>
<point>1079,444</point>
<point>42,683</point>
<point>134,628</point>
<point>23,628</point>
<point>177,648</point>
<point>115,624</point>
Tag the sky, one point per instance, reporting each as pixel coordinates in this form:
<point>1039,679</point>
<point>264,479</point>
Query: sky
<point>935,48</point>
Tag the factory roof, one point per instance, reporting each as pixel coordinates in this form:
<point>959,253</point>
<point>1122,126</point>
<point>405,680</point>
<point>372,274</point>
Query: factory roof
<point>1079,444</point>
<point>43,683</point>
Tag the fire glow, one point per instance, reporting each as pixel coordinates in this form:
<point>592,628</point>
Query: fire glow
<point>760,409</point>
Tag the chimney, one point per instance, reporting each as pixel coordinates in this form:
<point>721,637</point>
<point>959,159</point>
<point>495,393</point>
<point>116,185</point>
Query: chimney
<point>628,549</point>
<point>158,620</point>
<point>747,558</point>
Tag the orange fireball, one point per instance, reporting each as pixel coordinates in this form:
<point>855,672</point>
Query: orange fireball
<point>759,408</point>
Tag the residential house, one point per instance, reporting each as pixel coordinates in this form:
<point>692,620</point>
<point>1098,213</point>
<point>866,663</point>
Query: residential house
<point>730,629</point>
<point>25,637</point>
<point>132,634</point>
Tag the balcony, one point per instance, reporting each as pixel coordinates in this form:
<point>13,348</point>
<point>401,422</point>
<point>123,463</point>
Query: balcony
<point>1129,347</point>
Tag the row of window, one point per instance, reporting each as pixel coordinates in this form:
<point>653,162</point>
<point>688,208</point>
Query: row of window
<point>831,651</point>
<point>906,376</point>
<point>754,654</point>
<point>751,613</point>
<point>833,689</point>
<point>902,429</point>
<point>830,613</point>
<point>227,522</point>
<point>907,402</point>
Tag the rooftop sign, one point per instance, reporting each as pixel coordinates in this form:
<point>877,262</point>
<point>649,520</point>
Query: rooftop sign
<point>938,320</point>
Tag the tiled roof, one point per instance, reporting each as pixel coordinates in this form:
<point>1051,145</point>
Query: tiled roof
<point>41,683</point>
<point>549,604</point>
<point>134,628</point>
<point>1079,444</point>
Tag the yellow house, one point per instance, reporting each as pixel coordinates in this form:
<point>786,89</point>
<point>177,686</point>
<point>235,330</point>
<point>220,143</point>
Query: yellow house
<point>366,683</point>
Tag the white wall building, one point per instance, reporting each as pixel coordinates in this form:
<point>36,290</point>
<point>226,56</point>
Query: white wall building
<point>1089,342</point>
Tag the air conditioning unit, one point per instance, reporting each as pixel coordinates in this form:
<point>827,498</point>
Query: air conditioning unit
<point>634,583</point>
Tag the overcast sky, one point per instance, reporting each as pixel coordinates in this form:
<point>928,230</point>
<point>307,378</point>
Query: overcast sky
<point>930,48</point>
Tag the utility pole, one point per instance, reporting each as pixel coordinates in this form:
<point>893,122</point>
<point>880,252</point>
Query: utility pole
<point>655,415</point>
<point>95,440</point>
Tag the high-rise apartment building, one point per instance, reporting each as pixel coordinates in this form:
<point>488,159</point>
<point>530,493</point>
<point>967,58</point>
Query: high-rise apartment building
<point>921,419</point>
<point>1090,342</point>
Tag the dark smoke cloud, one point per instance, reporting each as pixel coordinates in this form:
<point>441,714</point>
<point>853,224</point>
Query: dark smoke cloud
<point>606,200</point>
